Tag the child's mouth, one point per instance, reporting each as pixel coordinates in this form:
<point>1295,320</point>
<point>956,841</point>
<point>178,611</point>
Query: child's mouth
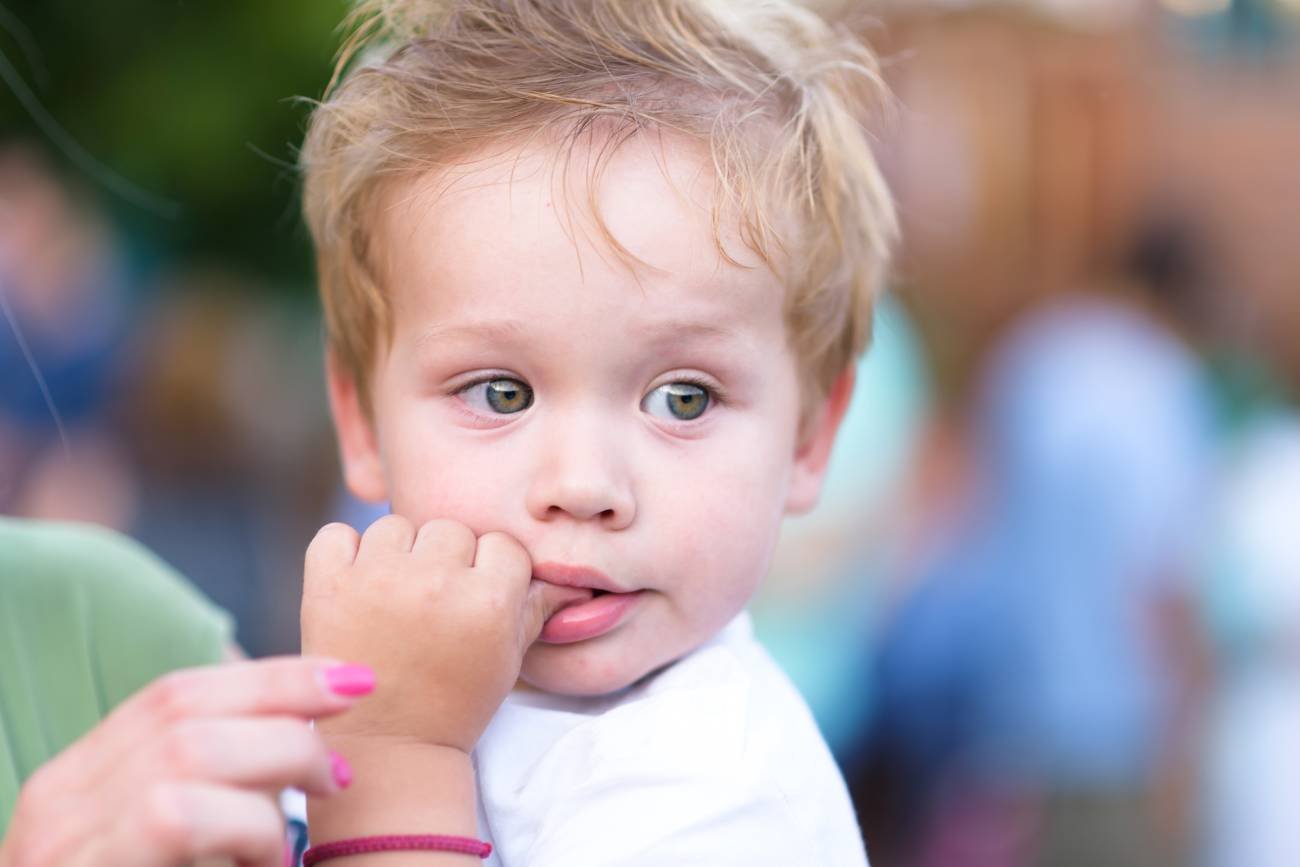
<point>590,619</point>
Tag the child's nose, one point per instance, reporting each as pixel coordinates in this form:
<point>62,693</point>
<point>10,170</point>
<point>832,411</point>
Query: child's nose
<point>583,479</point>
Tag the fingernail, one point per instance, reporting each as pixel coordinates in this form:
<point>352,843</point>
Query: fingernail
<point>341,769</point>
<point>350,680</point>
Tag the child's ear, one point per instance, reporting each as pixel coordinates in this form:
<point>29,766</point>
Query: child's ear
<point>363,471</point>
<point>814,450</point>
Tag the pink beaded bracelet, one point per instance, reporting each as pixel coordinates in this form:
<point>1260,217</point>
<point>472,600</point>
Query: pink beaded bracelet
<point>396,843</point>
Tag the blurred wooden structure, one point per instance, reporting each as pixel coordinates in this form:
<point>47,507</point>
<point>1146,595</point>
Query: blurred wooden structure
<point>1026,156</point>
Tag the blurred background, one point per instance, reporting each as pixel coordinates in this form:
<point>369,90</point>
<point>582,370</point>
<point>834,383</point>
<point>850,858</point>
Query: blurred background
<point>1049,611</point>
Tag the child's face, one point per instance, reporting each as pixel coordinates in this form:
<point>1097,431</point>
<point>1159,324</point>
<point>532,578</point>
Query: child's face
<point>639,426</point>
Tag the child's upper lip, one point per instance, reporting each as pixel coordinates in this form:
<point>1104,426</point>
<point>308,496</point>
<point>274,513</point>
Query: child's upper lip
<point>567,575</point>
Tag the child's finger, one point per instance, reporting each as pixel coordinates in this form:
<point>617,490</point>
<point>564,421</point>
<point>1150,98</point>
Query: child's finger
<point>543,601</point>
<point>262,753</point>
<point>281,686</point>
<point>334,547</point>
<point>499,554</point>
<point>391,533</point>
<point>447,542</point>
<point>181,822</point>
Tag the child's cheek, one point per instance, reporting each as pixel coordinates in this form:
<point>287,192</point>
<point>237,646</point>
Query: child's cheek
<point>441,482</point>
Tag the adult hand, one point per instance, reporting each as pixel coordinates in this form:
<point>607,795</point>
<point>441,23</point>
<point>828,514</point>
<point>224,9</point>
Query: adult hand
<point>188,768</point>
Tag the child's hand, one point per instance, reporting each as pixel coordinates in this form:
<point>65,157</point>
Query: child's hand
<point>443,618</point>
<point>185,769</point>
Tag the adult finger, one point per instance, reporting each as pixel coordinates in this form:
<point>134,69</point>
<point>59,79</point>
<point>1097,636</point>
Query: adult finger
<point>286,686</point>
<point>390,534</point>
<point>446,541</point>
<point>180,822</point>
<point>265,753</point>
<point>305,687</point>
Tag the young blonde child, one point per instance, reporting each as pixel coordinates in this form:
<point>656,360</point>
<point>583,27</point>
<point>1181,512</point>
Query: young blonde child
<point>595,274</point>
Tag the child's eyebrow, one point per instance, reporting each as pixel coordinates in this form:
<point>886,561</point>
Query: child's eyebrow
<point>495,330</point>
<point>679,328</point>
<point>663,335</point>
<point>685,331</point>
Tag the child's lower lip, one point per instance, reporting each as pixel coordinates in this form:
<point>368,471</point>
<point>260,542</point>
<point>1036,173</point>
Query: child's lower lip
<point>590,619</point>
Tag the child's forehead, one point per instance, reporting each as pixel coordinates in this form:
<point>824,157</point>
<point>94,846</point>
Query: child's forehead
<point>647,204</point>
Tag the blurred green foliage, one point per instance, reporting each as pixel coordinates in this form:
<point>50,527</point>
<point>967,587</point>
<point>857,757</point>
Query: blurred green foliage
<point>193,102</point>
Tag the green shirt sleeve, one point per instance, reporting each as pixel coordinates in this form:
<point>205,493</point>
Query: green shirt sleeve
<point>87,617</point>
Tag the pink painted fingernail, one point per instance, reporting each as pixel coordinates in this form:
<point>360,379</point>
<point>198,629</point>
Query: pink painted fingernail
<point>341,769</point>
<point>350,680</point>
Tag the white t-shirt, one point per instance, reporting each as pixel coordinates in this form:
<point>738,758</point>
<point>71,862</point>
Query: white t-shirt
<point>714,761</point>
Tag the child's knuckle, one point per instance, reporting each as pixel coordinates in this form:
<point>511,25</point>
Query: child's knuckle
<point>334,530</point>
<point>448,531</point>
<point>329,542</point>
<point>502,602</point>
<point>502,541</point>
<point>509,554</point>
<point>489,610</point>
<point>390,525</point>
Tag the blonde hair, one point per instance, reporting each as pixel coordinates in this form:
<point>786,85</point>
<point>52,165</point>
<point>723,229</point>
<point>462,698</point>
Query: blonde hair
<point>781,99</point>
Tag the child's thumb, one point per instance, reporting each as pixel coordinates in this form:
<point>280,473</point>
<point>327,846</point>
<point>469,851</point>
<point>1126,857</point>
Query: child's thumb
<point>544,600</point>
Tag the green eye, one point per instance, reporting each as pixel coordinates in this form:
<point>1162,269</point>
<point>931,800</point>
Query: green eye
<point>680,401</point>
<point>502,396</point>
<point>509,395</point>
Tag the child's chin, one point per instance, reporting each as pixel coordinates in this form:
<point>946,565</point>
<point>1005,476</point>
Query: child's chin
<point>574,674</point>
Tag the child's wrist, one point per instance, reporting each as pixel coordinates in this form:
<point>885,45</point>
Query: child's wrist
<point>385,744</point>
<point>398,787</point>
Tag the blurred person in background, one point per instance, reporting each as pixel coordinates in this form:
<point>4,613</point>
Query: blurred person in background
<point>232,451</point>
<point>1252,778</point>
<point>1035,681</point>
<point>64,315</point>
<point>1248,559</point>
<point>142,407</point>
<point>1177,279</point>
<point>1251,577</point>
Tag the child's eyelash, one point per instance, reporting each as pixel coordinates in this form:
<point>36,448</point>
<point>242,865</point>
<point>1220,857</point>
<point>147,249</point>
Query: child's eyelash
<point>492,376</point>
<point>486,416</point>
<point>715,393</point>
